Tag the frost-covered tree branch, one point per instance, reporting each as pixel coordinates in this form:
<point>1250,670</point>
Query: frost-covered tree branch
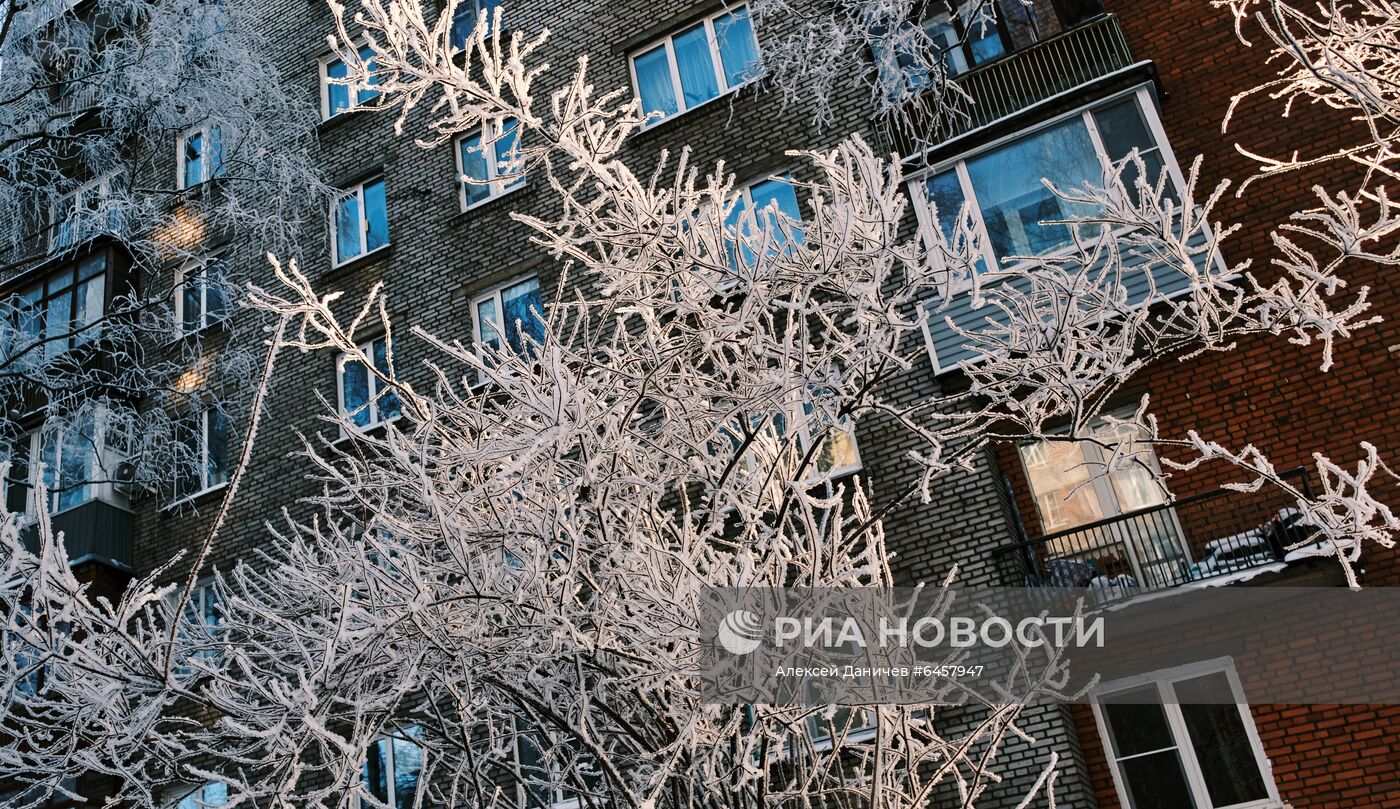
<point>160,125</point>
<point>505,579</point>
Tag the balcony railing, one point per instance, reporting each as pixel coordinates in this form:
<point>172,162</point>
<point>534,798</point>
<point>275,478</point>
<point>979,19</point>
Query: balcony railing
<point>1205,536</point>
<point>1026,77</point>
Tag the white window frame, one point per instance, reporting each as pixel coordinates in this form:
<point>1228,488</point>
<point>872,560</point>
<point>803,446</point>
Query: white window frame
<point>323,67</point>
<point>366,357</point>
<point>207,169</point>
<point>188,273</point>
<point>1101,482</point>
<point>105,460</point>
<point>100,185</point>
<point>721,81</point>
<point>496,187</point>
<point>1163,680</point>
<point>357,190</point>
<point>923,209</point>
<point>203,440</point>
<point>494,294</point>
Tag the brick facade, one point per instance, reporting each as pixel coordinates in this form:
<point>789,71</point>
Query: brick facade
<point>1268,392</point>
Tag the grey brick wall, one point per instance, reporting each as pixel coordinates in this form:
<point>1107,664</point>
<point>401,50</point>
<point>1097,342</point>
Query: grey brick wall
<point>441,258</point>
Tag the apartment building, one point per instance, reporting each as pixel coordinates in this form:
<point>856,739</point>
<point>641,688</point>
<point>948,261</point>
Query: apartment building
<point>1082,81</point>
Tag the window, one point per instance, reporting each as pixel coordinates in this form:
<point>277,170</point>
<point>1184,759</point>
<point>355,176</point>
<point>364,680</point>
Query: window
<point>1002,186</point>
<point>955,41</point>
<point>837,455</point>
<point>79,459</point>
<point>706,60</point>
<point>340,95</point>
<point>363,396</point>
<point>510,318</point>
<point>487,162</point>
<point>1071,489</point>
<point>74,217</point>
<point>360,221</point>
<point>199,629</point>
<point>1060,472</point>
<point>967,38</point>
<point>206,797</point>
<point>765,198</point>
<point>203,437</point>
<point>393,769</point>
<point>1184,738</point>
<point>199,295</point>
<point>56,313</point>
<point>200,156</point>
<point>464,19</point>
<point>551,768</point>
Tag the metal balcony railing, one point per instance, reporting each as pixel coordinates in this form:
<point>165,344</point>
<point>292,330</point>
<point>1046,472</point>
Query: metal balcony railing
<point>998,89</point>
<point>1205,536</point>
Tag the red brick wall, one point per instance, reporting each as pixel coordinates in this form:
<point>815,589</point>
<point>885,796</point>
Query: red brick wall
<point>1268,392</point>
<point>1323,756</point>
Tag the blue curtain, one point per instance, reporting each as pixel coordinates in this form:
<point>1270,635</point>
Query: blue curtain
<point>738,51</point>
<point>697,70</point>
<point>376,216</point>
<point>654,82</point>
<point>347,228</point>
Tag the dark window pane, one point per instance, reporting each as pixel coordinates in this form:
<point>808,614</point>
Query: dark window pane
<point>376,770</point>
<point>194,152</point>
<point>187,433</point>
<point>17,482</point>
<point>696,69</point>
<point>190,314</point>
<point>354,391</point>
<point>215,276</point>
<point>337,95</point>
<point>983,38</point>
<point>1219,738</point>
<point>216,462</point>
<point>474,168</point>
<point>1137,721</point>
<point>215,152</point>
<point>1156,781</point>
<point>521,306</point>
<point>387,406</point>
<point>369,92</point>
<point>506,155</point>
<point>1123,129</point>
<point>408,769</point>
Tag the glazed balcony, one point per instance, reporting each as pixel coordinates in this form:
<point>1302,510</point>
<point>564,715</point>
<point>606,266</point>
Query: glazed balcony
<point>1075,59</point>
<point>1209,536</point>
